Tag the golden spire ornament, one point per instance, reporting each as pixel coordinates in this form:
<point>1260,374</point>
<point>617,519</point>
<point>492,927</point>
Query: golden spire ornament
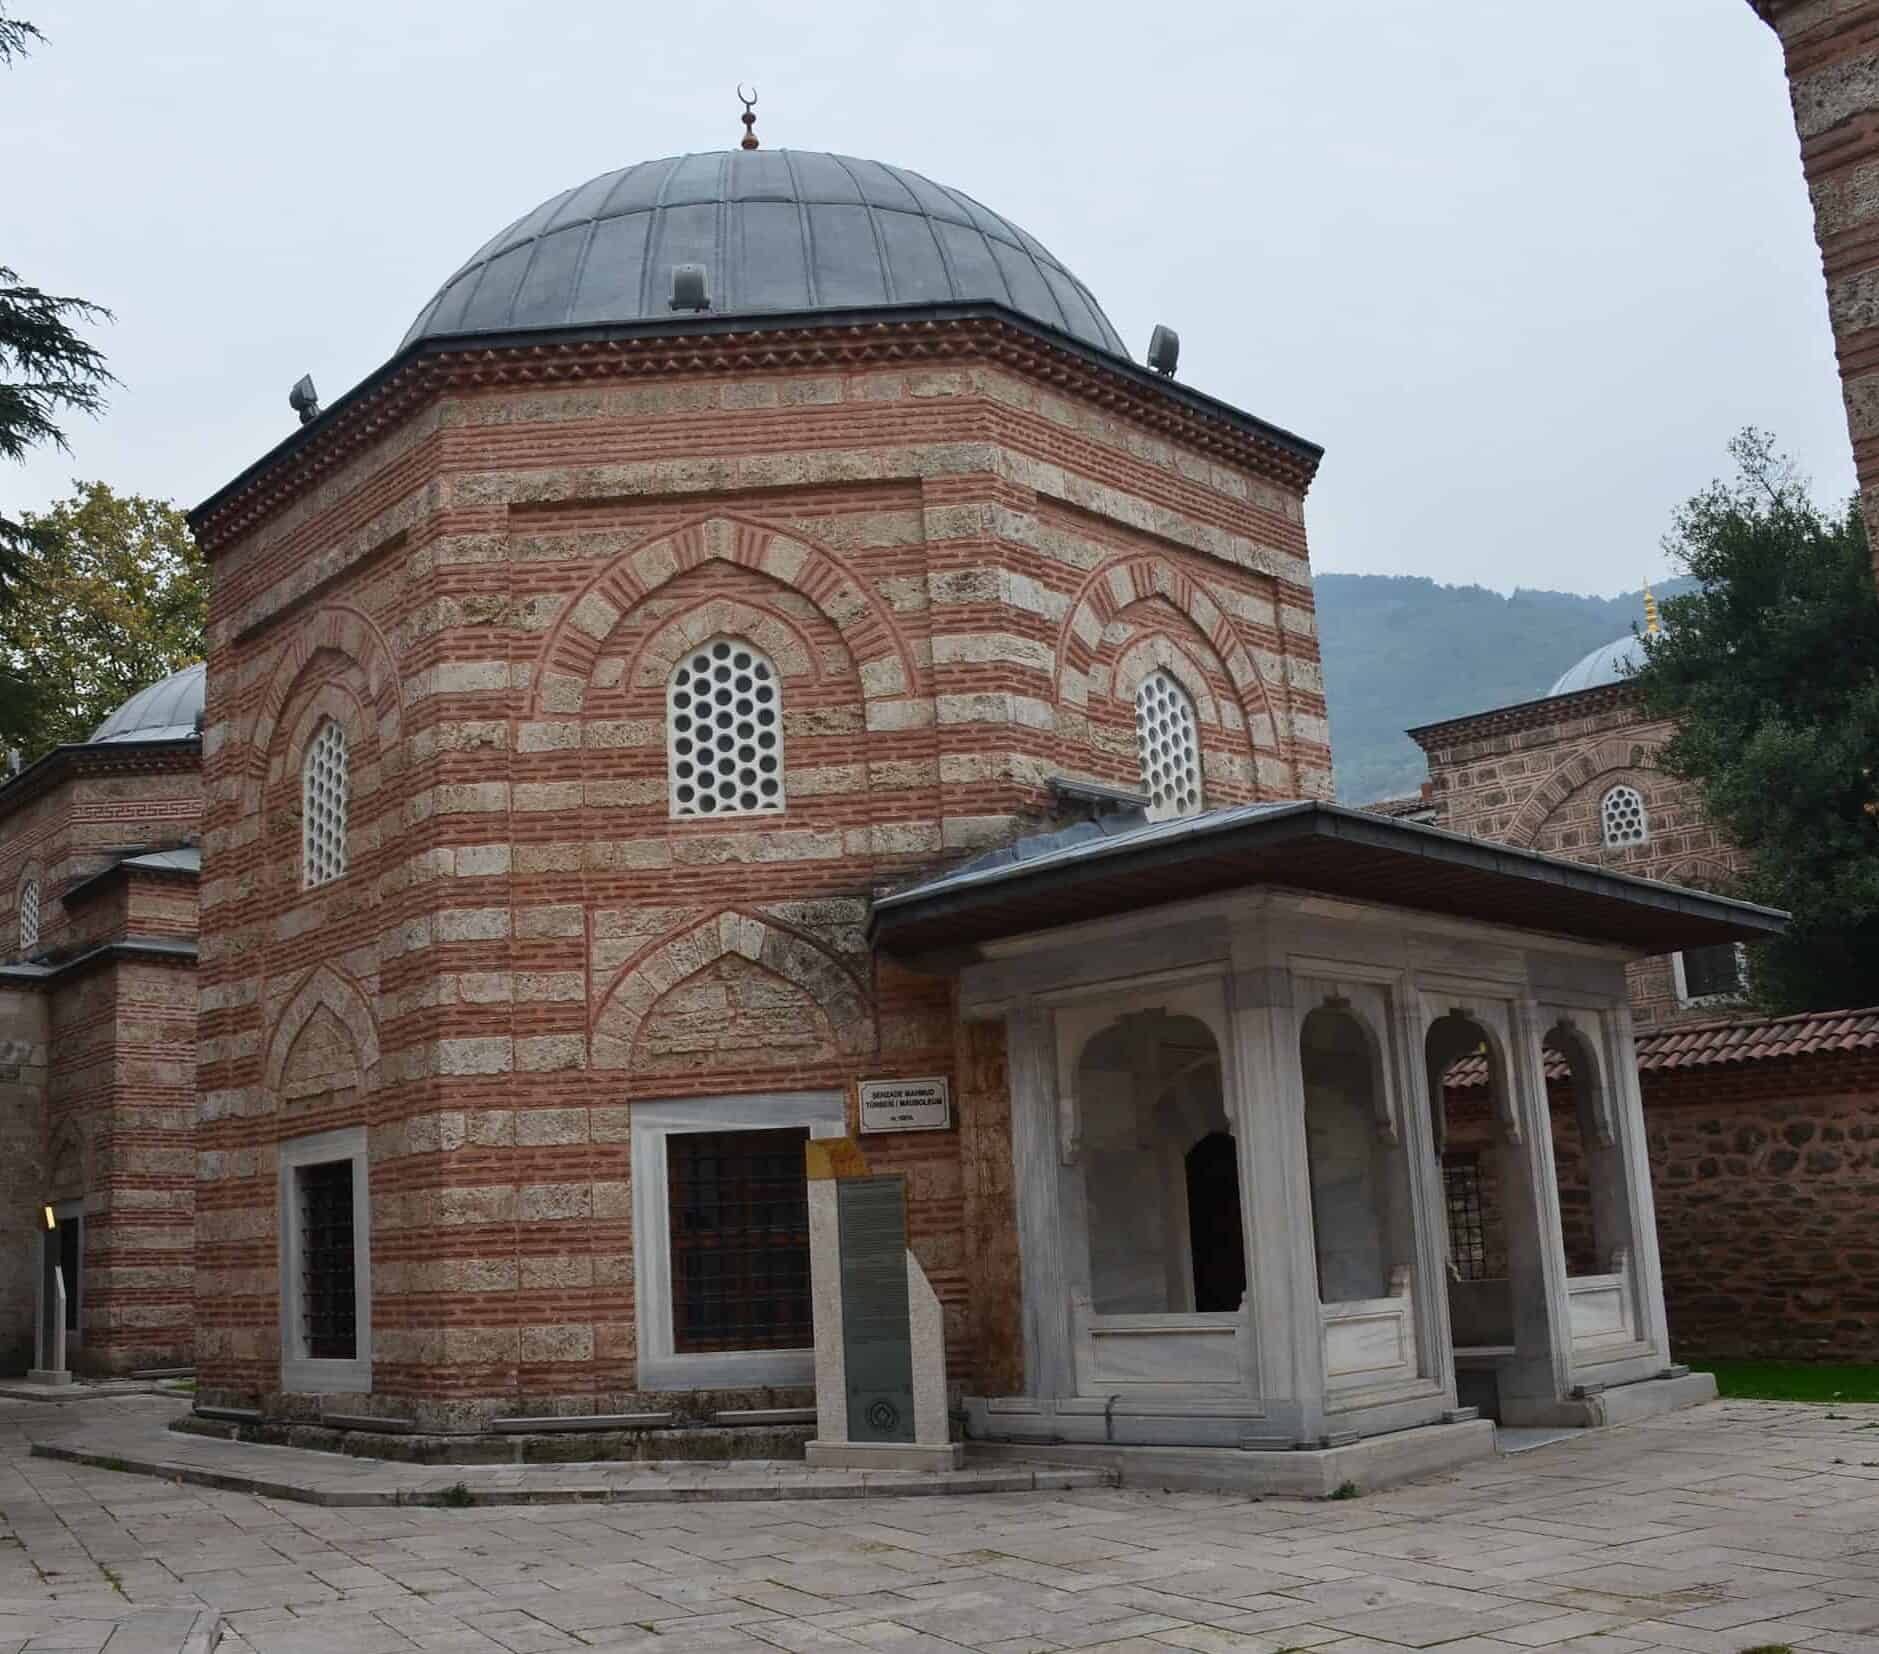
<point>748,117</point>
<point>1652,627</point>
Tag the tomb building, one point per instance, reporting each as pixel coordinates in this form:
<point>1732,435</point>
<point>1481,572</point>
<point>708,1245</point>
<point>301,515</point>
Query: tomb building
<point>761,635</point>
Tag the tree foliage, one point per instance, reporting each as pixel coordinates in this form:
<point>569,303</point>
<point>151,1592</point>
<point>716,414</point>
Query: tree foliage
<point>48,370</point>
<point>115,599</point>
<point>1771,669</point>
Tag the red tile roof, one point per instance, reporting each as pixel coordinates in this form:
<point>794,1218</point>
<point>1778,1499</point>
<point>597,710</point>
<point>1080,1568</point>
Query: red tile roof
<point>1758,1039</point>
<point>1722,1040</point>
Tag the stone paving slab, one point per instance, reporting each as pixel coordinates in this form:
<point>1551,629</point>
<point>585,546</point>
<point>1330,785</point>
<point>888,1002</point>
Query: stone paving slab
<point>1706,1532</point>
<point>142,1444</point>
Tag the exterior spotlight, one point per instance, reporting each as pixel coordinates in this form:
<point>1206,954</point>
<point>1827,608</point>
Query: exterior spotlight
<point>51,1221</point>
<point>691,287</point>
<point>304,399</point>
<point>1164,350</point>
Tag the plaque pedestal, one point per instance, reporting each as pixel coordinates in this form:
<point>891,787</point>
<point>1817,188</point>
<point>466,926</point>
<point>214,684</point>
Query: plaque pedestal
<point>880,1338</point>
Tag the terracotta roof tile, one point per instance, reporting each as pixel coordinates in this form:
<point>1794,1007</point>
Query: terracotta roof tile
<point>1722,1040</point>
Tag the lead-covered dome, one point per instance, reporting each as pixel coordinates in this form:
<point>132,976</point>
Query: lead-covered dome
<point>168,710</point>
<point>777,229</point>
<point>1611,663</point>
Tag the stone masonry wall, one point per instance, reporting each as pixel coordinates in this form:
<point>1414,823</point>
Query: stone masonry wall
<point>960,577</point>
<point>1832,53</point>
<point>1764,1177</point>
<point>1536,776</point>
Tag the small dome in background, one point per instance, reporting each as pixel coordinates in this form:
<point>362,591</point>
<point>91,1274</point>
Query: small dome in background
<point>169,710</point>
<point>1611,663</point>
<point>776,229</point>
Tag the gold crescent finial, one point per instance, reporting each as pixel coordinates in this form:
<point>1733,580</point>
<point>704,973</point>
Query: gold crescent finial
<point>748,118</point>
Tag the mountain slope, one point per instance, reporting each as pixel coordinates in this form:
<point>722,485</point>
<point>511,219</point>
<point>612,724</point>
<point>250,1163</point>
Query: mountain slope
<point>1400,650</point>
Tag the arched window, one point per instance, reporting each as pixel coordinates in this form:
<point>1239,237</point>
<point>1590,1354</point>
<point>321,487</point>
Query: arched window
<point>1167,740</point>
<point>29,916</point>
<point>1623,819</point>
<point>325,792</point>
<point>724,732</point>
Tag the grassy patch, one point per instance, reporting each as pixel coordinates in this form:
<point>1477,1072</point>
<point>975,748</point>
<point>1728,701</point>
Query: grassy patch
<point>1793,1380</point>
<point>1344,1490</point>
<point>456,1497</point>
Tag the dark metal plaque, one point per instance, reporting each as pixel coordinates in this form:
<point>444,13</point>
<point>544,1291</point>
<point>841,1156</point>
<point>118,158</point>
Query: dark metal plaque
<point>877,1336</point>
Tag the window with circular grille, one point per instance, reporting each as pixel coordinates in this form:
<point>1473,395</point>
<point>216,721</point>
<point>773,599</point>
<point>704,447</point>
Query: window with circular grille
<point>29,916</point>
<point>1167,740</point>
<point>1623,818</point>
<point>325,792</point>
<point>724,732</point>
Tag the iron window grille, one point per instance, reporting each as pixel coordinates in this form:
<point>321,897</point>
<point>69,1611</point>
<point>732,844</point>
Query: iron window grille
<point>1467,1233</point>
<point>1713,973</point>
<point>1167,741</point>
<point>329,1302</point>
<point>29,916</point>
<point>740,1240</point>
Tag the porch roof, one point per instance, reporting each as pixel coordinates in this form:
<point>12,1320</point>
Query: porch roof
<point>1099,868</point>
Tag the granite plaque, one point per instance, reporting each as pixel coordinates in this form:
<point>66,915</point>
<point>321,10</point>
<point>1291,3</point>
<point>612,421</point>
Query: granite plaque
<point>877,1336</point>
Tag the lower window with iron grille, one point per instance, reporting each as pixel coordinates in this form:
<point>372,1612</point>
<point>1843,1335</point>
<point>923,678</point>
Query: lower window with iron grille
<point>329,1299</point>
<point>1467,1231</point>
<point>739,1210</point>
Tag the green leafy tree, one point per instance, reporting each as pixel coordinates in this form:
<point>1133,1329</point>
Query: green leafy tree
<point>1771,669</point>
<point>48,370</point>
<point>115,599</point>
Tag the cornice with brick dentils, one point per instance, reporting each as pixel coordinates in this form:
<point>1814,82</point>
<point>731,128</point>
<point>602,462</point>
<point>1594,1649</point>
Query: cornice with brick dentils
<point>1506,720</point>
<point>743,345</point>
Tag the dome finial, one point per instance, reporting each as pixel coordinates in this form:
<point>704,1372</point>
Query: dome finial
<point>1652,627</point>
<point>748,118</point>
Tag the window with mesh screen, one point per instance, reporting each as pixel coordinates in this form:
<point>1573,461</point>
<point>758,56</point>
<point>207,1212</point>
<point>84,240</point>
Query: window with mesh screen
<point>1714,972</point>
<point>325,794</point>
<point>1622,817</point>
<point>1467,1234</point>
<point>29,916</point>
<point>740,1240</point>
<point>1167,741</point>
<point>329,1300</point>
<point>724,732</point>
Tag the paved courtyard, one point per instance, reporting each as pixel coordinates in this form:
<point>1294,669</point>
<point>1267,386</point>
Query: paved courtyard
<point>1715,1531</point>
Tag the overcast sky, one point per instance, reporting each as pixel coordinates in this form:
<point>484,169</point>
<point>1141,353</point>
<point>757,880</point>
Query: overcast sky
<point>1522,268</point>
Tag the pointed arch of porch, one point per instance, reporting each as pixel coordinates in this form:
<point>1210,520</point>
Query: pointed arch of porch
<point>772,947</point>
<point>573,646</point>
<point>1129,579</point>
<point>325,989</point>
<point>1612,754</point>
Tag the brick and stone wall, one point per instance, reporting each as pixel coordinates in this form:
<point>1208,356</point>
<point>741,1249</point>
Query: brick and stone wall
<point>1832,53</point>
<point>1764,1176</point>
<point>1534,775</point>
<point>961,572</point>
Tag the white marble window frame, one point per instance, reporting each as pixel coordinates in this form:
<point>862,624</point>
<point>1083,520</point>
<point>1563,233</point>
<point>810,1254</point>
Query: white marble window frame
<point>300,1372</point>
<point>661,1366</point>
